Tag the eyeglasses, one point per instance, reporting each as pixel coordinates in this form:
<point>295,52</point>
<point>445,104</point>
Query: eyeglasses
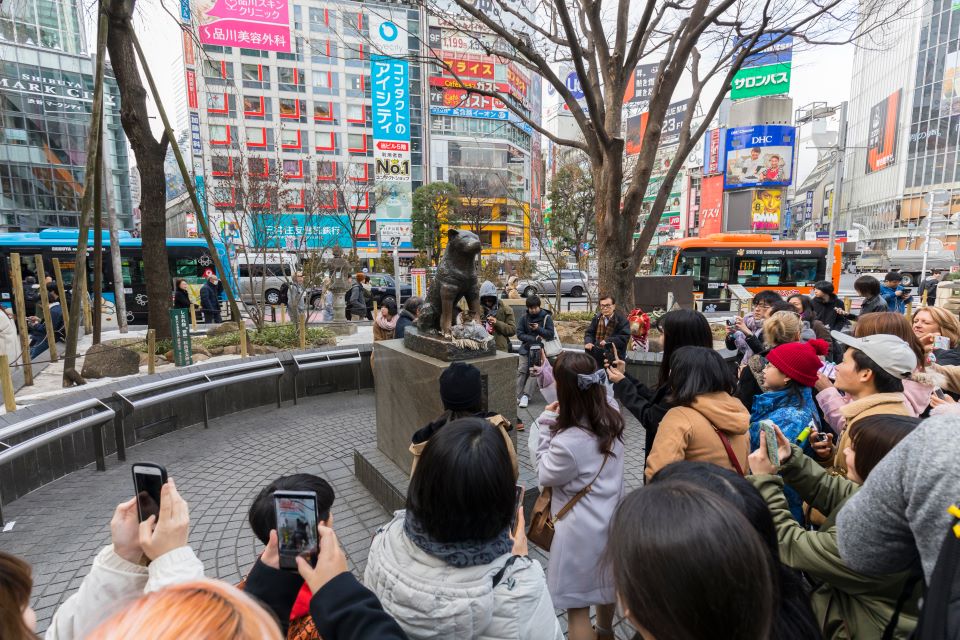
<point>606,306</point>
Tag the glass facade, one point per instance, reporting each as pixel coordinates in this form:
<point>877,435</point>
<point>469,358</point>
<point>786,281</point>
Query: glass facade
<point>45,101</point>
<point>46,24</point>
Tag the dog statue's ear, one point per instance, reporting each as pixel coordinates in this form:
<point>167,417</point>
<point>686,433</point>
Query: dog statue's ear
<point>451,234</point>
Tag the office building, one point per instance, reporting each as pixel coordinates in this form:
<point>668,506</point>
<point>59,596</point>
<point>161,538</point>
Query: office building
<point>46,93</point>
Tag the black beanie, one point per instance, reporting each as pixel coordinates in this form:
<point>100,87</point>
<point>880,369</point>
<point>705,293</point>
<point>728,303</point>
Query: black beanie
<point>460,387</point>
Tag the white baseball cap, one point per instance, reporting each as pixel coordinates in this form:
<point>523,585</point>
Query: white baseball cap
<point>891,354</point>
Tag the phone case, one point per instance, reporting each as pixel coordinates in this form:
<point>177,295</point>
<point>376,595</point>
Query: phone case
<point>770,439</point>
<point>133,474</point>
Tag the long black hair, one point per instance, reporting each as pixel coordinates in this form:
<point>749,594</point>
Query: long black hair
<point>687,566</point>
<point>793,616</point>
<point>695,371</point>
<point>806,312</point>
<point>682,328</point>
<point>585,408</point>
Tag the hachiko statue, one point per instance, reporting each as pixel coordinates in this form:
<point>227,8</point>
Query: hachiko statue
<point>456,278</point>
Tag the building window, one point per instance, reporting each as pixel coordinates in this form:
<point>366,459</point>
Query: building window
<point>219,134</point>
<point>326,141</point>
<point>224,197</point>
<point>360,201</point>
<point>222,166</point>
<point>293,169</point>
<point>322,79</point>
<point>255,76</point>
<point>323,111</point>
<point>356,113</point>
<point>355,84</point>
<point>258,167</point>
<point>289,79</point>
<point>218,103</point>
<point>290,139</point>
<point>256,136</point>
<point>291,108</point>
<point>359,172</point>
<point>295,198</point>
<point>253,106</point>
<point>326,170</point>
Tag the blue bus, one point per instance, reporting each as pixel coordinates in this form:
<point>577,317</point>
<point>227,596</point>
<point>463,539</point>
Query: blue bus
<point>189,258</point>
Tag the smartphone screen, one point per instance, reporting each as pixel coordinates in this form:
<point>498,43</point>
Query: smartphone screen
<point>148,480</point>
<point>518,500</point>
<point>296,525</point>
<point>941,342</point>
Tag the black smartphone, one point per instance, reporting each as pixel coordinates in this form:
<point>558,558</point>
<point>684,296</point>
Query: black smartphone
<point>518,500</point>
<point>148,480</point>
<point>297,520</point>
<point>939,392</point>
<point>534,356</point>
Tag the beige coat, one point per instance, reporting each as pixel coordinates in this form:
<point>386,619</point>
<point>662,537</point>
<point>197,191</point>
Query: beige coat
<point>691,433</point>
<point>877,404</point>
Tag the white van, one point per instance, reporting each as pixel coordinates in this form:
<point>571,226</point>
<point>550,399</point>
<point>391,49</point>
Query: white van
<point>262,274</point>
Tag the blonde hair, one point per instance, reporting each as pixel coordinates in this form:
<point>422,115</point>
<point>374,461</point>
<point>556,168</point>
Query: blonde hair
<point>200,610</point>
<point>781,327</point>
<point>948,323</point>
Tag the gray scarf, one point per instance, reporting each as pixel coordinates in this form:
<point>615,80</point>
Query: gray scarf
<point>468,553</point>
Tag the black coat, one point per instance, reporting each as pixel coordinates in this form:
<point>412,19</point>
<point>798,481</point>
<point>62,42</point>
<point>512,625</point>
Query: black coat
<point>209,296</point>
<point>875,304</point>
<point>619,333</point>
<point>405,320</point>
<point>181,299</point>
<point>826,313</point>
<point>528,335</point>
<point>647,405</point>
<point>343,609</point>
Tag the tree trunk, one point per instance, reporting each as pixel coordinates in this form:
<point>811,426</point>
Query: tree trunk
<point>614,231</point>
<point>150,154</point>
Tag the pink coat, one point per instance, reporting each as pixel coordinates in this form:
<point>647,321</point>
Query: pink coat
<point>917,396</point>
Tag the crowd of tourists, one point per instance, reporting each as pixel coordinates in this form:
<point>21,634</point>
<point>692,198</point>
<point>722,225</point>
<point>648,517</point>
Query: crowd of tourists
<point>804,488</point>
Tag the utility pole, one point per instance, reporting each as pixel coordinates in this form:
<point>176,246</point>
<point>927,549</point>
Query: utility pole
<point>837,189</point>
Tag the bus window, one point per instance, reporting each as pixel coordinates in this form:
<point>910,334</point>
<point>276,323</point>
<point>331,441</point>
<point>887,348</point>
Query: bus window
<point>753,272</point>
<point>801,272</point>
<point>663,262</point>
<point>718,269</point>
<point>689,266</point>
<point>133,273</point>
<point>185,268</point>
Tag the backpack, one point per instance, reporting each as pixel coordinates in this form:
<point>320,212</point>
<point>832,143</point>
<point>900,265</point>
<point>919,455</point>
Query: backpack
<point>284,291</point>
<point>940,617</point>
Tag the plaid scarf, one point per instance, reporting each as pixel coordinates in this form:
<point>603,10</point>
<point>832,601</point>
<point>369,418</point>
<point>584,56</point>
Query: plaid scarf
<point>603,328</point>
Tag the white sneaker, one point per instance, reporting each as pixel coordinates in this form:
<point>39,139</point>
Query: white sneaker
<point>523,402</point>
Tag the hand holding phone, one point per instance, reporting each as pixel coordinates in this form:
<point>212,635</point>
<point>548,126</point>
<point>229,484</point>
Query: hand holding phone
<point>331,561</point>
<point>125,532</point>
<point>148,480</point>
<point>297,521</point>
<point>517,506</point>
<point>941,342</point>
<point>770,441</point>
<point>170,530</point>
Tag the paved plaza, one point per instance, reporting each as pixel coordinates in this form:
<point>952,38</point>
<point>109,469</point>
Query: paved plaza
<point>60,527</point>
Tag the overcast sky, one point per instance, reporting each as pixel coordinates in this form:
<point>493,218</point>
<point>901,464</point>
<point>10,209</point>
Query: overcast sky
<point>821,74</point>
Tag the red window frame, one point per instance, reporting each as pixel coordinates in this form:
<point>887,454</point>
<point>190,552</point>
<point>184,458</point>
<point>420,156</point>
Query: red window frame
<point>228,173</point>
<point>231,203</point>
<point>298,174</point>
<point>364,119</point>
<point>261,205</point>
<point>259,144</point>
<point>226,105</point>
<point>331,176</point>
<point>226,142</point>
<point>266,168</point>
<point>362,55</point>
<point>262,110</point>
<point>362,206</point>
<point>303,199</point>
<point>297,145</point>
<point>366,174</point>
<point>330,111</point>
<point>329,206</point>
<point>296,114</point>
<point>333,141</point>
<point>362,150</point>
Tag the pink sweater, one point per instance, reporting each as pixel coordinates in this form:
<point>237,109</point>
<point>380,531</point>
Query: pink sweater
<point>831,401</point>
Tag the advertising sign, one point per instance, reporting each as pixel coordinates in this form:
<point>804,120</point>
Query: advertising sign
<point>306,231</point>
<point>387,36</point>
<point>808,209</point>
<point>714,152</point>
<point>950,94</point>
<point>769,80</point>
<point>759,156</point>
<point>641,83</point>
<point>711,206</point>
<point>195,142</point>
<point>469,68</point>
<point>883,132</point>
<point>390,80</point>
<point>463,98</point>
<point>185,11</point>
<point>779,53</point>
<point>192,89</point>
<point>387,229</point>
<point>469,113</point>
<point>765,210</point>
<point>252,24</point>
<point>670,132</point>
<point>572,83</point>
<point>463,83</point>
<point>419,278</point>
<point>188,55</point>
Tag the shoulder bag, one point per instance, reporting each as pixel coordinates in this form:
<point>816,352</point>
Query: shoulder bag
<point>553,347</point>
<point>542,524</point>
<point>730,454</point>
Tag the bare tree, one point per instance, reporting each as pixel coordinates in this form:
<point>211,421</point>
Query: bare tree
<point>347,192</point>
<point>699,44</point>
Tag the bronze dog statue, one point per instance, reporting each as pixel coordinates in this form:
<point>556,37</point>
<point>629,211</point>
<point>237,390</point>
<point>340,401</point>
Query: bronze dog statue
<point>456,278</point>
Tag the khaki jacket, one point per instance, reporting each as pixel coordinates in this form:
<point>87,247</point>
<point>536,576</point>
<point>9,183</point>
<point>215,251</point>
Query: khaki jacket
<point>691,433</point>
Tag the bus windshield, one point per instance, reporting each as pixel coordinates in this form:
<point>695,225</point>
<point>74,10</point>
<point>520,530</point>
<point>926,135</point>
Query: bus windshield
<point>663,261</point>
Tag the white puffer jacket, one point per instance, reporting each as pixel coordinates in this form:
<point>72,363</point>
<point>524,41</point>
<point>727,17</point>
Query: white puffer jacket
<point>431,599</point>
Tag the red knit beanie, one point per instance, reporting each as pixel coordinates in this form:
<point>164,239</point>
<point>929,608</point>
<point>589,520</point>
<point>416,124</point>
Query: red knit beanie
<point>799,360</point>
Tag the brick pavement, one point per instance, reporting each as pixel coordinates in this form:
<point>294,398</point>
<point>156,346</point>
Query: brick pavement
<point>61,526</point>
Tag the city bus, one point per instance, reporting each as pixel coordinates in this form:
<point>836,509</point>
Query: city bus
<point>189,258</point>
<point>755,261</point>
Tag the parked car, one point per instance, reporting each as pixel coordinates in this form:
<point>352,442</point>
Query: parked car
<point>382,286</point>
<point>572,283</point>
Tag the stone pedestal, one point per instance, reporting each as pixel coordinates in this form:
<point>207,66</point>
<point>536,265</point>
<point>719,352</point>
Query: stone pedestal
<point>408,393</point>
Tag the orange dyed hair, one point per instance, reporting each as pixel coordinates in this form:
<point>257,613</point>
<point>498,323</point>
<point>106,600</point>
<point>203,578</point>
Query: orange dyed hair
<point>200,610</point>
<point>894,324</point>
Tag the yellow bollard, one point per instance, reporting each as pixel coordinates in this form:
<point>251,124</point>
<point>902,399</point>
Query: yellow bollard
<point>6,381</point>
<point>193,317</point>
<point>151,350</point>
<point>243,341</point>
<point>303,331</point>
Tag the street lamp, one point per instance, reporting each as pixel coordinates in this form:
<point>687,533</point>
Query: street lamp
<point>819,111</point>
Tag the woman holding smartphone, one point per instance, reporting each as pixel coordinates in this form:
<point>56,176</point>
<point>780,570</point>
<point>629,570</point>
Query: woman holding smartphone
<point>938,330</point>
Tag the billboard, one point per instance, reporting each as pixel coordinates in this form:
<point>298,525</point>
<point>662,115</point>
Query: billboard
<point>464,99</point>
<point>883,132</point>
<point>711,206</point>
<point>251,24</point>
<point>714,152</point>
<point>766,73</point>
<point>641,83</point>
<point>385,33</point>
<point>759,156</point>
<point>390,81</point>
<point>765,210</point>
<point>670,131</point>
<point>469,68</point>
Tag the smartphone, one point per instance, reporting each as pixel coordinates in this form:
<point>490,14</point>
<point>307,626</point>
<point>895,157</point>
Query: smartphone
<point>297,520</point>
<point>534,356</point>
<point>148,480</point>
<point>518,500</point>
<point>939,392</point>
<point>770,438</point>
<point>731,323</point>
<point>941,342</point>
<point>829,369</point>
